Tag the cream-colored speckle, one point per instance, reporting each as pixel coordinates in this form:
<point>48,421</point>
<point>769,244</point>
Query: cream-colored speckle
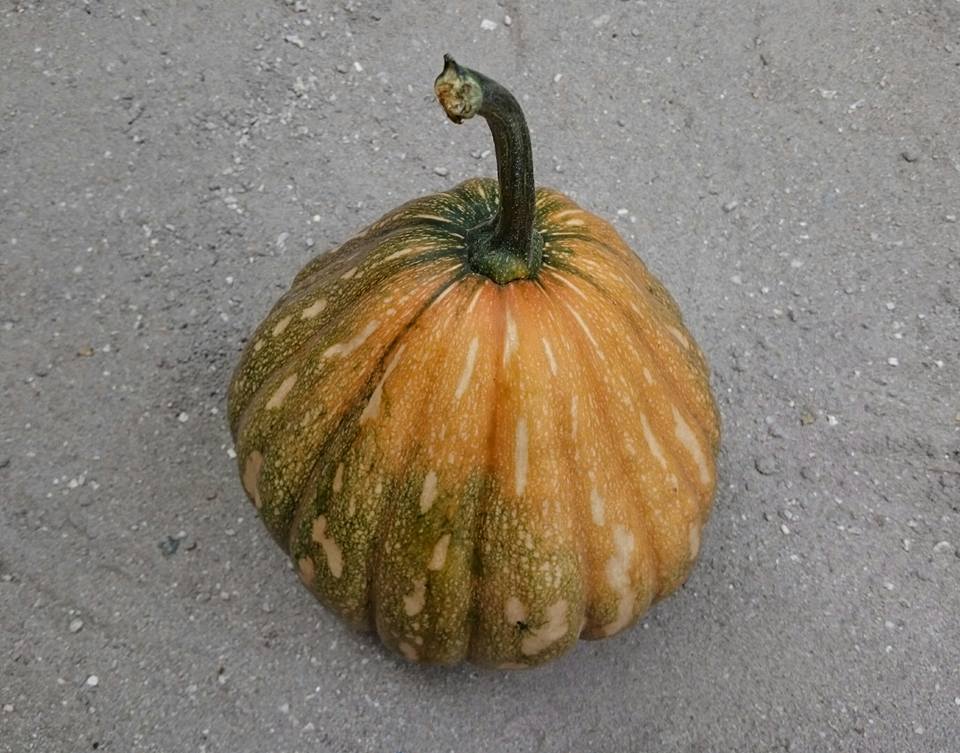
<point>586,331</point>
<point>596,506</point>
<point>655,449</point>
<point>618,576</point>
<point>378,489</point>
<point>306,570</point>
<point>476,297</point>
<point>314,309</point>
<point>413,602</point>
<point>548,351</point>
<point>574,423</point>
<point>349,274</point>
<point>436,217</point>
<point>446,291</point>
<point>468,367</point>
<point>511,341</point>
<point>372,408</point>
<point>408,651</point>
<point>694,539</point>
<point>276,400</point>
<point>280,326</point>
<point>688,439</point>
<point>338,479</point>
<point>678,336</point>
<point>552,630</point>
<point>346,348</point>
<point>565,213</point>
<point>429,492</point>
<point>330,547</point>
<point>647,375</point>
<point>258,344</point>
<point>439,555</point>
<point>251,476</point>
<point>570,285</point>
<point>573,223</point>
<point>401,253</point>
<point>514,611</point>
<point>520,457</point>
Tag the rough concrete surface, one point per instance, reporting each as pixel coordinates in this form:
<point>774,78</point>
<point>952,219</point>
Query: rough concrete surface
<point>790,169</point>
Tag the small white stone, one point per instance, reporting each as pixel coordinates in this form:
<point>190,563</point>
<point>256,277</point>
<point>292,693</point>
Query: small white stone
<point>785,529</point>
<point>441,171</point>
<point>231,453</point>
<point>93,681</point>
<point>294,39</point>
<point>890,305</point>
<point>832,420</point>
<point>600,20</point>
<point>8,707</point>
<point>357,67</point>
<point>76,625</point>
<point>893,361</point>
<point>488,25</point>
<point>507,20</point>
<point>183,417</point>
<point>557,77</point>
<point>942,547</point>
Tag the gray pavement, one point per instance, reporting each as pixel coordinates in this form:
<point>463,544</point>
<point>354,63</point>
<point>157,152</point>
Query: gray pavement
<point>791,170</point>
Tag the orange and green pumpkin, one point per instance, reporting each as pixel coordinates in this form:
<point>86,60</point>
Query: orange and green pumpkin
<point>480,427</point>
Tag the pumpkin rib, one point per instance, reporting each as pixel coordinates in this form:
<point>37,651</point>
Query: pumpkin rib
<point>676,399</point>
<point>295,359</point>
<point>682,397</point>
<point>363,396</point>
<point>626,465</point>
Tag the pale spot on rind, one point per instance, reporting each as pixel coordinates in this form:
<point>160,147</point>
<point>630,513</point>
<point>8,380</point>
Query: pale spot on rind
<point>549,353</point>
<point>694,540</point>
<point>655,449</point>
<point>372,408</point>
<point>349,274</point>
<point>511,341</point>
<point>258,344</point>
<point>678,335</point>
<point>276,400</point>
<point>338,479</point>
<point>570,285</point>
<point>330,547</point>
<point>514,611</point>
<point>596,506</point>
<point>280,326</point>
<point>346,348</point>
<point>476,297</point>
<point>573,415</point>
<point>521,457</point>
<point>251,476</point>
<point>439,555</point>
<point>468,367</point>
<point>314,309</point>
<point>408,651</point>
<point>414,601</point>
<point>688,439</point>
<point>618,576</point>
<point>586,331</point>
<point>306,570</point>
<point>647,375</point>
<point>555,627</point>
<point>429,492</point>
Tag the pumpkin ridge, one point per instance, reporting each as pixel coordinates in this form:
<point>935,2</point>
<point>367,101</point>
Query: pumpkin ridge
<point>360,398</point>
<point>678,400</point>
<point>640,336</point>
<point>275,376</point>
<point>587,361</point>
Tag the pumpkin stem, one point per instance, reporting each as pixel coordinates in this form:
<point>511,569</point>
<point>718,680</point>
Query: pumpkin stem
<point>508,248</point>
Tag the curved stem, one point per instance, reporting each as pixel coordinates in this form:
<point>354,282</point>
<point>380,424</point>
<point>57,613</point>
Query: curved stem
<point>464,93</point>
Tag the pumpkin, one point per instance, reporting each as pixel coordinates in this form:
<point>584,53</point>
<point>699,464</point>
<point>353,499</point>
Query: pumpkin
<point>480,427</point>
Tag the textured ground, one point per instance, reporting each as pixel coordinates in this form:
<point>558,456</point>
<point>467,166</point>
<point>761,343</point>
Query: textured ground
<point>792,172</point>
